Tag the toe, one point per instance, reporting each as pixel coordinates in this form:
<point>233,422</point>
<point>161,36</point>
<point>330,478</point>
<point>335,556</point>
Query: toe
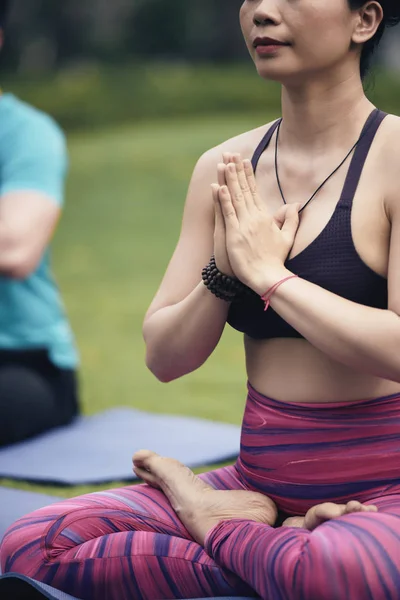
<point>143,458</point>
<point>329,510</point>
<point>297,522</point>
<point>147,477</point>
<point>353,506</point>
<point>370,508</point>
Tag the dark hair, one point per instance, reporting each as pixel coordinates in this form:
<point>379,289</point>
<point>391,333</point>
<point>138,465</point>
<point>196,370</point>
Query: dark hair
<point>4,6</point>
<point>391,17</point>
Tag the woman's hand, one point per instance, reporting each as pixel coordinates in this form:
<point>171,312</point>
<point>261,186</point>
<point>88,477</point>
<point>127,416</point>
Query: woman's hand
<point>257,242</point>
<point>220,251</point>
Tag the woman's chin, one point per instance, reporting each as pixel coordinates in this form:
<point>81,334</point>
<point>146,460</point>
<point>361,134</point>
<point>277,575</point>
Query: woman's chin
<point>278,74</point>
<point>272,73</point>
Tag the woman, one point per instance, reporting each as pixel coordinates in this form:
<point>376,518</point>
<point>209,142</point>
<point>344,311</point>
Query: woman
<point>38,357</point>
<point>322,421</point>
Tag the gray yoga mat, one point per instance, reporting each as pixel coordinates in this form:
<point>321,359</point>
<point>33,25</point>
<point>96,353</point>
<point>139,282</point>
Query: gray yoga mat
<point>15,504</point>
<point>98,449</point>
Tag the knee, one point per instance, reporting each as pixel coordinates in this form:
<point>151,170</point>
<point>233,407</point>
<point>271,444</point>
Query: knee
<point>353,557</point>
<point>35,539</point>
<point>23,389</point>
<point>26,404</point>
<point>21,549</point>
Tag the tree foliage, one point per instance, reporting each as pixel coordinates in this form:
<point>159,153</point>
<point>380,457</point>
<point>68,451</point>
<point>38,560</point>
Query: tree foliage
<point>47,34</point>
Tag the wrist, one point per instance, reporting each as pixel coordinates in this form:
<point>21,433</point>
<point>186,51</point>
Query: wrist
<point>229,289</point>
<point>270,278</point>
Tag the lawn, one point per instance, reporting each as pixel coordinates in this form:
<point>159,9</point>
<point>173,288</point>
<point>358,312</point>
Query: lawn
<point>125,197</point>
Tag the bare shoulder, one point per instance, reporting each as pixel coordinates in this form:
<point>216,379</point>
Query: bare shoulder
<point>247,142</point>
<point>389,160</point>
<point>390,140</point>
<point>244,144</point>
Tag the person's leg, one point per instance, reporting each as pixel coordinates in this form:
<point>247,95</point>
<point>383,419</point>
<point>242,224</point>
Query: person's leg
<point>26,404</point>
<point>118,544</point>
<point>35,396</point>
<point>66,393</point>
<point>355,556</point>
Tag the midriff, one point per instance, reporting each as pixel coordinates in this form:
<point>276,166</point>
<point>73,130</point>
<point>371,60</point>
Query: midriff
<point>293,370</point>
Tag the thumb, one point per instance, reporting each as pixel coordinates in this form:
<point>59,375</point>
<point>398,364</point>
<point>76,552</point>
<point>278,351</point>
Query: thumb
<point>291,220</point>
<point>279,216</point>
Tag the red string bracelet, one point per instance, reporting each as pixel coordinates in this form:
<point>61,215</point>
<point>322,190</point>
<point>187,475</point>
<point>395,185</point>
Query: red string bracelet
<point>268,295</point>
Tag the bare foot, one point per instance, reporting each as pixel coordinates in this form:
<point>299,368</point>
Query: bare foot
<point>324,512</point>
<point>294,522</point>
<point>197,504</point>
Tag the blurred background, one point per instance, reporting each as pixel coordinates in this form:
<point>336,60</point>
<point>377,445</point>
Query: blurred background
<point>142,88</point>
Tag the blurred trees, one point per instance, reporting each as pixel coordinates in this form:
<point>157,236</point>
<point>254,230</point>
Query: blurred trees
<point>47,34</point>
<point>43,35</point>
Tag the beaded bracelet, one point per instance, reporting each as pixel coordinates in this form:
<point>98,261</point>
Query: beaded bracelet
<point>222,286</point>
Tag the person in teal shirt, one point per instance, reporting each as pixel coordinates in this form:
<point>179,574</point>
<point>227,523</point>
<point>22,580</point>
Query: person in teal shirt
<point>38,356</point>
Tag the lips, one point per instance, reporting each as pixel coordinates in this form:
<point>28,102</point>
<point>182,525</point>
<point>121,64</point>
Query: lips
<point>267,41</point>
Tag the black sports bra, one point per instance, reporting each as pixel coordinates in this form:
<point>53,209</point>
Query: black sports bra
<point>330,261</point>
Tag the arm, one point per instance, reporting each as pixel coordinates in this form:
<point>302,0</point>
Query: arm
<point>31,192</point>
<point>365,338</point>
<point>27,221</point>
<point>185,321</point>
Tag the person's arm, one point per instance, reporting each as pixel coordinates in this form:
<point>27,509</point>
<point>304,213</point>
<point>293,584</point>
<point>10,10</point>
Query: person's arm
<point>361,337</point>
<point>185,321</point>
<point>31,192</point>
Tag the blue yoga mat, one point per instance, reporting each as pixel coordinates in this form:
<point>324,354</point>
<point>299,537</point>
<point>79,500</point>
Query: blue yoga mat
<point>18,503</point>
<point>18,587</point>
<point>98,449</point>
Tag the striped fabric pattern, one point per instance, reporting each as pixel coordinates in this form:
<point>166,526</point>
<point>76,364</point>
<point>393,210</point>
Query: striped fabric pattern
<point>303,454</point>
<point>128,544</point>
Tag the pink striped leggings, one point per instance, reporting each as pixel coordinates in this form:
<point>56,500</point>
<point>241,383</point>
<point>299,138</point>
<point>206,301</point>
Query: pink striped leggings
<point>127,543</point>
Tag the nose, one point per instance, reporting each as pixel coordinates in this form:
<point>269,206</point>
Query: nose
<point>265,14</point>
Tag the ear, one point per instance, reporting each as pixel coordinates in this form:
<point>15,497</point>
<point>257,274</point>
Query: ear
<point>369,17</point>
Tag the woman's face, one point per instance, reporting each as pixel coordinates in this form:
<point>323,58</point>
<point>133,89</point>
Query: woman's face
<point>313,36</point>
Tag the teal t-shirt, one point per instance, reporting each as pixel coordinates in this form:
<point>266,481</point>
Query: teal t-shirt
<point>33,157</point>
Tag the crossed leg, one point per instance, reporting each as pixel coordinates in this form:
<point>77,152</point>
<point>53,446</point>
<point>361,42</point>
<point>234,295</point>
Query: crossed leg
<point>130,543</point>
<point>121,544</point>
<point>352,551</point>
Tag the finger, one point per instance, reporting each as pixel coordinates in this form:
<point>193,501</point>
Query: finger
<point>219,218</point>
<point>291,224</point>
<point>227,157</point>
<point>227,207</point>
<point>235,191</point>
<point>221,174</point>
<point>251,182</point>
<point>214,190</point>
<point>242,178</point>
<point>279,216</point>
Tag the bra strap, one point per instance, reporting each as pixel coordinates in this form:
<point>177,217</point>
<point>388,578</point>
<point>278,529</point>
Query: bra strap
<point>264,144</point>
<point>360,156</point>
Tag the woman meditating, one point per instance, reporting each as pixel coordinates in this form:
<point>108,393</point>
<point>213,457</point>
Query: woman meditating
<point>303,222</point>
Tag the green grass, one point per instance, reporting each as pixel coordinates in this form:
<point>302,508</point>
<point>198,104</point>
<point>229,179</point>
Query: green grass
<point>126,192</point>
<point>86,97</point>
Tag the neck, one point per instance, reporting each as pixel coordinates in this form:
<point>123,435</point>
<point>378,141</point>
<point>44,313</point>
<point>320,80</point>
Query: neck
<point>321,114</point>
